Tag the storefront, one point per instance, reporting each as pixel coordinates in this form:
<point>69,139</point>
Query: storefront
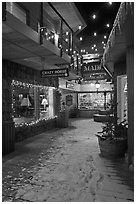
<point>30,104</point>
<point>90,103</point>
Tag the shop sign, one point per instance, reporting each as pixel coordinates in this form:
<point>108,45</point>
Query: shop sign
<point>93,68</point>
<point>54,73</point>
<point>94,76</point>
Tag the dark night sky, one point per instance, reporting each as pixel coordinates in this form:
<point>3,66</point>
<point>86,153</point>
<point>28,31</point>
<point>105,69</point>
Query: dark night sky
<point>105,13</point>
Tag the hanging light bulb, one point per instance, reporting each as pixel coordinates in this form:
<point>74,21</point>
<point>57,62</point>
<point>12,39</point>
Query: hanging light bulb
<point>107,25</point>
<point>81,38</point>
<point>94,16</point>
<point>97,84</point>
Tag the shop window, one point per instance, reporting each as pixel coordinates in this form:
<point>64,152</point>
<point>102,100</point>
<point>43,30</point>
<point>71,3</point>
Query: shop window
<point>44,102</point>
<point>18,11</point>
<point>93,101</point>
<point>31,102</point>
<point>122,100</point>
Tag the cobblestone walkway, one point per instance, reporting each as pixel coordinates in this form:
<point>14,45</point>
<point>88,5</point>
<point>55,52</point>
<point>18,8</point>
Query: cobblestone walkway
<point>63,165</point>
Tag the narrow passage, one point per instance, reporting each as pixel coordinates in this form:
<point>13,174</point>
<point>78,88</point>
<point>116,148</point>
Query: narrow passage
<point>64,165</point>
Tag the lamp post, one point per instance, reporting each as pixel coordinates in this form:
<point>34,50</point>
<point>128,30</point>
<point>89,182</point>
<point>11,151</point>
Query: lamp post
<point>97,84</point>
<point>104,100</point>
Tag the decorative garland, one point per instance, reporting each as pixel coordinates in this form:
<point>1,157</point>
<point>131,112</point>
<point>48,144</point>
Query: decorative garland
<point>34,122</point>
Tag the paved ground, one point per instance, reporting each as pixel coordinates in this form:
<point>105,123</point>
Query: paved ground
<point>64,165</point>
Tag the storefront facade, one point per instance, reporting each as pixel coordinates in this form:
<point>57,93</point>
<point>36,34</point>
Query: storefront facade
<point>33,40</point>
<point>28,102</point>
<point>119,59</point>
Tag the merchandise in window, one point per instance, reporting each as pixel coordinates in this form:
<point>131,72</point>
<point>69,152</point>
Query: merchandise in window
<point>93,101</point>
<point>31,102</point>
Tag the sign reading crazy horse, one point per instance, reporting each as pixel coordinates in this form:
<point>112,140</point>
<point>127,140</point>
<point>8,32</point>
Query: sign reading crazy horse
<point>55,73</point>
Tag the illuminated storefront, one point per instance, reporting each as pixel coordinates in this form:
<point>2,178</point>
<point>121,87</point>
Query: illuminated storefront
<point>31,102</point>
<point>93,101</point>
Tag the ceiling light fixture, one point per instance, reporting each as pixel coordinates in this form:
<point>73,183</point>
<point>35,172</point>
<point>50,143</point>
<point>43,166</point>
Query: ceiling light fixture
<point>79,27</point>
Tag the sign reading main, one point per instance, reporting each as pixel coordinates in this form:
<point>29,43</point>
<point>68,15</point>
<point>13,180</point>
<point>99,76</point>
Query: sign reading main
<point>55,73</point>
<point>94,71</point>
<point>93,67</point>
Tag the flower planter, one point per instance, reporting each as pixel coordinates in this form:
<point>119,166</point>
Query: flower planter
<point>102,118</point>
<point>112,148</point>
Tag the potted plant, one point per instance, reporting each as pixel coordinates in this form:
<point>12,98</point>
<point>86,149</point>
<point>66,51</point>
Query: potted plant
<point>113,137</point>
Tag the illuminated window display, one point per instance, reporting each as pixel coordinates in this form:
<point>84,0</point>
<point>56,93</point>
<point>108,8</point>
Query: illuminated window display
<point>92,101</point>
<point>31,102</point>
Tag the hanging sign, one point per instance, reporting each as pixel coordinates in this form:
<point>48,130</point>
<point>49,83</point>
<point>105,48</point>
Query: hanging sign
<point>93,68</point>
<point>55,73</point>
<point>94,71</point>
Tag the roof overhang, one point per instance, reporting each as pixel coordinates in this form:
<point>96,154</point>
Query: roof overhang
<point>69,12</point>
<point>21,44</point>
<point>121,36</point>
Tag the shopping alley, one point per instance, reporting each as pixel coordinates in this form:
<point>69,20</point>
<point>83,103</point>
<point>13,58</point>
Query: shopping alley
<point>68,101</point>
<point>64,165</point>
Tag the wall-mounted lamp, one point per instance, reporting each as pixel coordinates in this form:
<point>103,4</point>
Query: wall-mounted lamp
<point>97,84</point>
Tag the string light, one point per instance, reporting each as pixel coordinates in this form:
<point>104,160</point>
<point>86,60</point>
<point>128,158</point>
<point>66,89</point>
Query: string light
<point>105,36</point>
<point>94,16</point>
<point>107,25</point>
<point>95,34</point>
<point>24,85</point>
<point>34,122</point>
<point>79,27</point>
<point>81,38</point>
